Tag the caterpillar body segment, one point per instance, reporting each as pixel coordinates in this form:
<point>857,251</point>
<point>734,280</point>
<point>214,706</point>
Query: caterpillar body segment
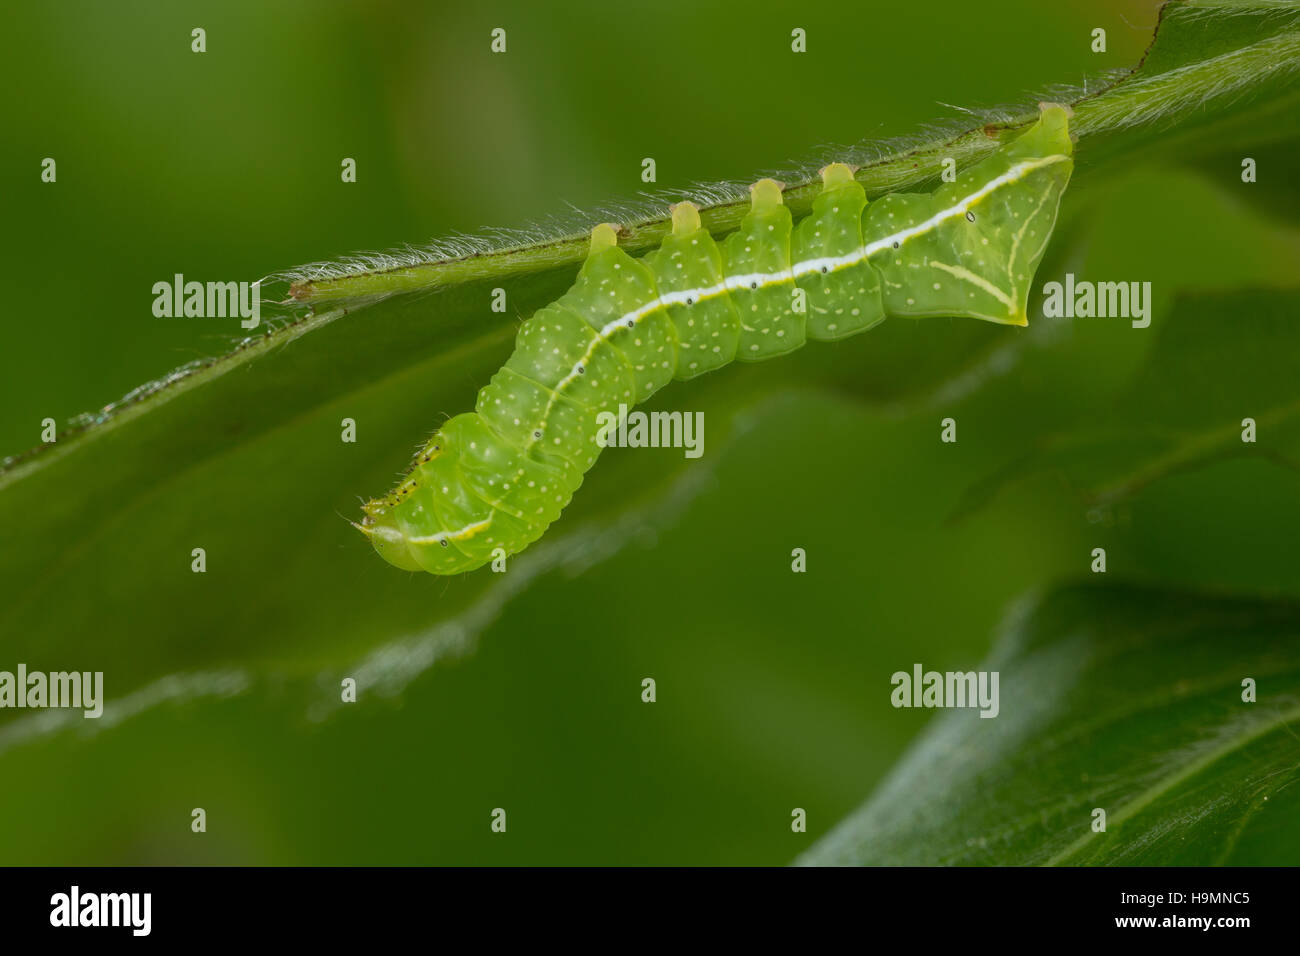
<point>759,280</point>
<point>491,481</point>
<point>846,300</point>
<point>689,275</point>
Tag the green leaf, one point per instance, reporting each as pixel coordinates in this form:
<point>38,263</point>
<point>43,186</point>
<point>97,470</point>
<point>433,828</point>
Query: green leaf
<point>1116,698</point>
<point>1222,361</point>
<point>240,455</point>
<point>1216,70</point>
<point>223,688</point>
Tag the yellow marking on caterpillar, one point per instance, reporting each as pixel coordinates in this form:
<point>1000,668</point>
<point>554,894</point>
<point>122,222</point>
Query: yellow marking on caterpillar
<point>961,272</point>
<point>458,535</point>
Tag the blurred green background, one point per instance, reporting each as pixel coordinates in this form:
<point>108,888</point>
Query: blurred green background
<point>772,687</point>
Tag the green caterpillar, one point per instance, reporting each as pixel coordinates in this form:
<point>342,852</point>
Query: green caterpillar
<point>497,477</point>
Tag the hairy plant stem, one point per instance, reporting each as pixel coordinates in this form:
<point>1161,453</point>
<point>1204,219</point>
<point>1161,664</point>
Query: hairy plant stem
<point>1136,100</point>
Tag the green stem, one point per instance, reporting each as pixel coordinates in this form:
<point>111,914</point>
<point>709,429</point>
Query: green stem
<point>1136,100</point>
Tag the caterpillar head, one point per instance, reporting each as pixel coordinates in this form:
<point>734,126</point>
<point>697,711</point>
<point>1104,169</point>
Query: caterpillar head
<point>380,526</point>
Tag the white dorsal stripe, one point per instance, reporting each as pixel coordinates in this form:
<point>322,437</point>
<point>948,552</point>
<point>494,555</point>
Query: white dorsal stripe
<point>395,535</point>
<point>468,531</point>
<point>1014,174</point>
<point>808,266</point>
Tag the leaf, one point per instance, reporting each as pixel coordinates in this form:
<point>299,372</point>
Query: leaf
<point>1118,698</point>
<point>241,455</point>
<point>1220,359</point>
<point>1216,70</point>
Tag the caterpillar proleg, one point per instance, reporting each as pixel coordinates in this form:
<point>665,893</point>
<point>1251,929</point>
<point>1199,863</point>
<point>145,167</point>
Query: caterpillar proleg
<point>495,478</point>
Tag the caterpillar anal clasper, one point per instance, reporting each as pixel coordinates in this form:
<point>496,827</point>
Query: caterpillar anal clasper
<point>495,478</point>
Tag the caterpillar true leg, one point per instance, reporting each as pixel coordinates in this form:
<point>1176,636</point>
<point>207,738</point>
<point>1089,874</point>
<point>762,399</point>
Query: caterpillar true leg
<point>498,476</point>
